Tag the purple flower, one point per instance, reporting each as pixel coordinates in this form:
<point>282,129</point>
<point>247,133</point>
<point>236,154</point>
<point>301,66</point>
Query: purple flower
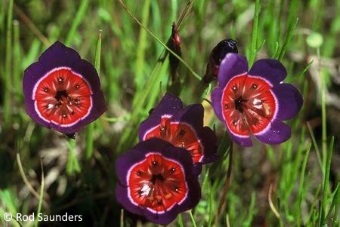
<point>255,102</point>
<point>62,91</point>
<point>181,126</point>
<point>156,180</point>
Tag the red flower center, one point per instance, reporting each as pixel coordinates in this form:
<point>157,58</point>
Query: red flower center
<point>248,104</point>
<point>179,134</point>
<point>62,97</point>
<point>157,183</point>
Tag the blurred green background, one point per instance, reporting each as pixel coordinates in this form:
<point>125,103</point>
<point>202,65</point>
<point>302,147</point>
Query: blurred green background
<point>293,184</point>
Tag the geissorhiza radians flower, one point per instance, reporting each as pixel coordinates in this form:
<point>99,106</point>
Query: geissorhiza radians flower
<point>182,126</point>
<point>156,180</point>
<point>62,91</point>
<point>255,102</point>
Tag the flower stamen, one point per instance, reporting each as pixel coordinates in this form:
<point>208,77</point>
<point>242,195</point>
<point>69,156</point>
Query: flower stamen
<point>239,104</point>
<point>160,186</point>
<point>63,97</point>
<point>248,104</point>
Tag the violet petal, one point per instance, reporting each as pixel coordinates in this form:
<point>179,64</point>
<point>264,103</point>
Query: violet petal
<point>169,104</point>
<point>192,114</point>
<point>232,65</point>
<point>210,145</point>
<point>216,97</point>
<point>125,161</point>
<point>244,141</point>
<point>277,132</point>
<point>269,69</point>
<point>123,198</point>
<point>289,99</point>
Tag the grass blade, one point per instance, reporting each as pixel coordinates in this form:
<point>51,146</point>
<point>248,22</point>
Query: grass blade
<point>77,20</point>
<point>8,67</point>
<point>41,195</point>
<point>90,127</point>
<point>254,34</point>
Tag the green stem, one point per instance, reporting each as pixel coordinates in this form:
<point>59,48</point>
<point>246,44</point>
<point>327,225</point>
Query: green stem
<point>290,32</point>
<point>323,117</point>
<point>8,64</point>
<point>41,195</point>
<point>72,162</point>
<point>326,154</point>
<point>16,55</point>
<point>180,221</point>
<point>90,127</point>
<point>254,35</point>
<point>78,18</point>
<point>142,44</point>
<point>301,184</point>
<point>337,206</point>
<point>192,219</point>
<point>326,178</point>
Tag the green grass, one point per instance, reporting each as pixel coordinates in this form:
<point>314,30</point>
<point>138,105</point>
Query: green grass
<point>292,184</point>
